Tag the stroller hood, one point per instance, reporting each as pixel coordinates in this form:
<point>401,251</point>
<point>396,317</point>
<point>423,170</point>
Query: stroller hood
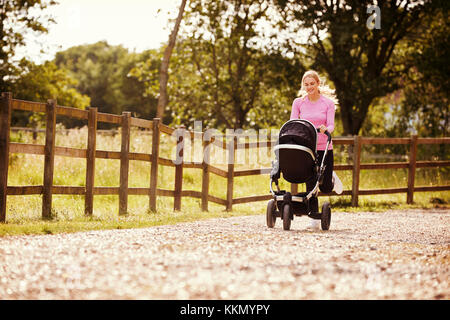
<point>300,132</point>
<point>296,151</point>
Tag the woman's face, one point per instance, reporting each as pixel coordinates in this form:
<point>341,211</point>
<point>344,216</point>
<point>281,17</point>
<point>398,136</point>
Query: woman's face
<point>311,85</point>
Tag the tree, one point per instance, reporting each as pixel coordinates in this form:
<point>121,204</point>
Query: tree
<point>361,61</point>
<point>204,88</point>
<point>25,79</point>
<point>103,74</point>
<point>42,82</point>
<point>223,72</point>
<point>164,75</point>
<point>97,69</point>
<point>425,107</point>
<point>145,74</point>
<point>15,21</point>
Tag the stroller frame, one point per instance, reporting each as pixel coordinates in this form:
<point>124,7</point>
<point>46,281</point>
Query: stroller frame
<point>286,205</point>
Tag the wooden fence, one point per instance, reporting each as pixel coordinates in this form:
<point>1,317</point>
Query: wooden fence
<point>126,121</point>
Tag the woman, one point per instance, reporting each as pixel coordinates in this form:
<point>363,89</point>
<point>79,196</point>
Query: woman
<point>316,103</point>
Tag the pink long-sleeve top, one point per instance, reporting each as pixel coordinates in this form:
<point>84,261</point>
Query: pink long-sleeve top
<point>318,112</point>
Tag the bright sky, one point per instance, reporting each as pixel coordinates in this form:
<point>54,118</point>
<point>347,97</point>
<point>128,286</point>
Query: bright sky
<point>136,24</point>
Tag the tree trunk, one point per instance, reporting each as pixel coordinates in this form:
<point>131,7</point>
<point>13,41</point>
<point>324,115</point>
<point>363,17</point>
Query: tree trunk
<point>164,74</point>
<point>352,120</point>
<point>353,110</point>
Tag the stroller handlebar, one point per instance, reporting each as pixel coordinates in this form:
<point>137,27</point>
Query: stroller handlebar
<point>327,133</point>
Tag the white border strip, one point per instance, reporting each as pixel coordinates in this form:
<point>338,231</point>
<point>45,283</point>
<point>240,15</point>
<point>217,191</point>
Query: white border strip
<point>294,198</point>
<point>294,146</point>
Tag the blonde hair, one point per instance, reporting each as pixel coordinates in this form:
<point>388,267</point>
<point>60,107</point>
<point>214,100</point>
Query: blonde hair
<point>324,89</point>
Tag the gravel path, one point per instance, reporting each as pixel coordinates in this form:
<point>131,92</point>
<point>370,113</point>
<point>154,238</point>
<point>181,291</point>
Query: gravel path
<point>390,255</point>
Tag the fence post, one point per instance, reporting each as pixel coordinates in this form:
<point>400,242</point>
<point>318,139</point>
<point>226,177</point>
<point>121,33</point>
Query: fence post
<point>356,169</point>
<point>90,162</point>
<point>231,146</point>
<point>5,121</point>
<point>411,169</point>
<point>205,173</point>
<point>49,155</point>
<point>124,163</point>
<point>154,166</point>
<point>179,168</point>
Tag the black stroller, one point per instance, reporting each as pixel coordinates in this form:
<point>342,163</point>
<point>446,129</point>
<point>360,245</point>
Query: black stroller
<point>297,160</point>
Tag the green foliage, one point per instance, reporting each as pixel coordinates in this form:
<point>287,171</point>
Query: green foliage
<point>222,73</point>
<point>42,82</point>
<point>362,62</point>
<point>145,72</point>
<point>422,105</point>
<point>15,21</point>
<point>204,88</point>
<point>237,64</point>
<point>103,73</point>
<point>23,78</point>
<point>425,107</point>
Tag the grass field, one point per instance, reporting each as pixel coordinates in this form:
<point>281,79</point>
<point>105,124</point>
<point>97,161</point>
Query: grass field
<point>24,212</point>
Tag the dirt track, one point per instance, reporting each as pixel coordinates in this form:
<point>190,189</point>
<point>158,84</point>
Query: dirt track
<point>391,255</point>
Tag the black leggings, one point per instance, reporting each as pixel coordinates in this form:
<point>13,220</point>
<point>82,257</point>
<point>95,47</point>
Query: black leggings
<point>327,183</point>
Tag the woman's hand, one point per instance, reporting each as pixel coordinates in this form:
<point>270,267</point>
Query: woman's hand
<point>322,128</point>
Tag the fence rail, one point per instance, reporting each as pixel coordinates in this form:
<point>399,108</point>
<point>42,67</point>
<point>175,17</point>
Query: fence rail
<point>126,121</point>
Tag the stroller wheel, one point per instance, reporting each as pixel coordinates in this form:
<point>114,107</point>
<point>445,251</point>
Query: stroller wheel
<point>326,216</point>
<point>286,217</point>
<point>270,214</point>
